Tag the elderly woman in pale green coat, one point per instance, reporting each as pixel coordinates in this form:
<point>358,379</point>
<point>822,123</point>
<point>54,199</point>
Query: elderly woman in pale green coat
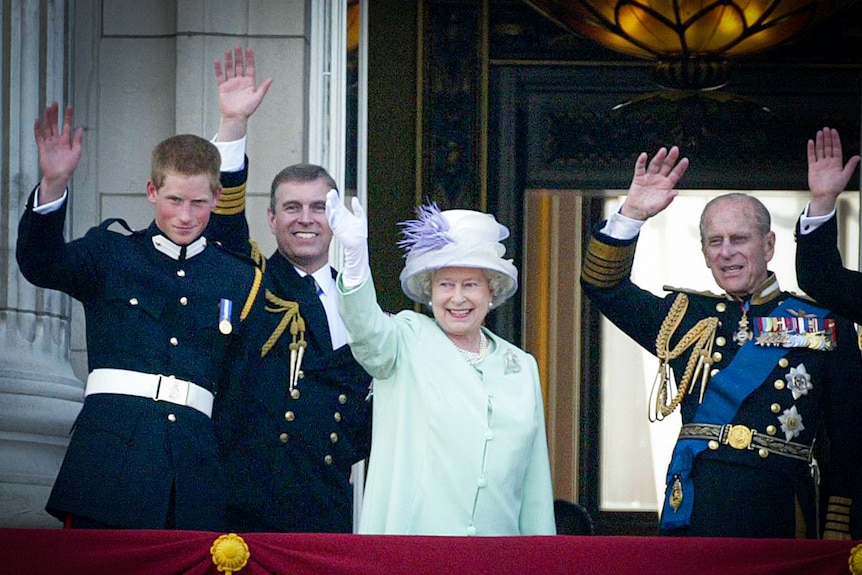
<point>458,441</point>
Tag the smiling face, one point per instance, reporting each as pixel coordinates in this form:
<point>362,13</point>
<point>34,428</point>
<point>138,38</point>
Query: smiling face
<point>297,217</point>
<point>183,205</point>
<point>460,299</point>
<point>735,247</point>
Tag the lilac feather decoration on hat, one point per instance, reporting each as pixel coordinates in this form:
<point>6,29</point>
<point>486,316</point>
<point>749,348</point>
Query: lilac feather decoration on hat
<point>426,233</point>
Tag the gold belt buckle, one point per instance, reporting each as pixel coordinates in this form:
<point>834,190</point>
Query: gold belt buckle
<point>739,437</point>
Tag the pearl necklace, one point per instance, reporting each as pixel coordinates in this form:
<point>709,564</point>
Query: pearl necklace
<point>474,357</point>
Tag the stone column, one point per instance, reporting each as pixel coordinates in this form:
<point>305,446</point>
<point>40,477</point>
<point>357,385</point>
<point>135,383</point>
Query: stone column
<point>39,394</point>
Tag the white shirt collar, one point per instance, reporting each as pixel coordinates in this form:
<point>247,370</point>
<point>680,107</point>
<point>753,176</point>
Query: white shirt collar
<point>177,252</point>
<point>322,276</point>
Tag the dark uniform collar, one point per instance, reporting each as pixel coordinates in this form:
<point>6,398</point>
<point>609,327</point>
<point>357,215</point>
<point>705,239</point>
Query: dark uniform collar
<point>175,251</point>
<point>765,292</point>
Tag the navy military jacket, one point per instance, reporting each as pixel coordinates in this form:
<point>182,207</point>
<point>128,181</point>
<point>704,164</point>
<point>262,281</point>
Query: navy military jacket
<point>148,312</point>
<point>288,453</point>
<point>741,492</point>
<point>822,275</point>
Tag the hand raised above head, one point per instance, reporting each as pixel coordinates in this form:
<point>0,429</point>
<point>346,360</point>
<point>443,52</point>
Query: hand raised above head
<point>828,175</point>
<point>60,151</point>
<point>653,184</point>
<point>238,95</point>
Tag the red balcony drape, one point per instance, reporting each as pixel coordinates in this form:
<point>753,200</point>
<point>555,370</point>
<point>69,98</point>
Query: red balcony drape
<point>94,552</point>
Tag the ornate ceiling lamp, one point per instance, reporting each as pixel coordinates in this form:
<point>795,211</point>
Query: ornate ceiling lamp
<point>690,40</point>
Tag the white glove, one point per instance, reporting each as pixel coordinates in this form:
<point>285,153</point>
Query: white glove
<point>351,230</point>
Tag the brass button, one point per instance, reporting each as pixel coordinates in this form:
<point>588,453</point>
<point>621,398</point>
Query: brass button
<point>771,429</point>
<point>289,416</point>
<point>713,444</point>
<point>283,438</point>
<point>763,453</point>
<point>294,393</point>
<point>328,460</point>
<point>133,301</point>
<point>342,399</point>
<point>779,384</point>
<point>337,416</point>
<point>720,341</point>
<point>783,362</point>
<point>714,372</point>
<point>175,342</point>
<point>775,408</point>
<point>333,437</point>
<point>184,300</point>
<point>172,417</point>
<point>720,306</point>
<point>181,273</point>
<point>716,356</point>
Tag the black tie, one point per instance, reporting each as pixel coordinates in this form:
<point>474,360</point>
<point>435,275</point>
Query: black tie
<point>309,279</point>
<point>321,333</point>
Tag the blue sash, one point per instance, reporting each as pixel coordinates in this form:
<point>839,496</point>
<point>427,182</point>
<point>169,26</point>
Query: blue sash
<point>724,394</point>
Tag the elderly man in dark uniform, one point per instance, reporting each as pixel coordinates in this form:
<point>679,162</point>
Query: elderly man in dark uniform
<point>163,312</point>
<point>759,373</point>
<point>301,417</point>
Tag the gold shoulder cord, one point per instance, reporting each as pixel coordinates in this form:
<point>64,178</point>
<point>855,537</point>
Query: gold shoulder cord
<point>256,255</point>
<point>291,317</point>
<point>252,294</point>
<point>700,338</point>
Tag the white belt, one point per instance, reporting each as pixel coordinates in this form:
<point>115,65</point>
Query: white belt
<point>153,386</point>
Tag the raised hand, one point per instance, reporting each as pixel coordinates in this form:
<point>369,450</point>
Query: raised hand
<point>827,173</point>
<point>653,185</point>
<point>238,96</point>
<point>59,151</point>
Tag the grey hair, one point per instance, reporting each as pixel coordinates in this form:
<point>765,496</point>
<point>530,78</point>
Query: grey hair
<point>761,214</point>
<point>496,283</point>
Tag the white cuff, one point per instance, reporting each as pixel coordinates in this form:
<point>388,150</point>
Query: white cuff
<point>50,206</point>
<point>808,224</point>
<point>621,227</point>
<point>232,154</point>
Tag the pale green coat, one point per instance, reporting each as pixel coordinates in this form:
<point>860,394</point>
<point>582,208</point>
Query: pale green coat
<point>455,450</point>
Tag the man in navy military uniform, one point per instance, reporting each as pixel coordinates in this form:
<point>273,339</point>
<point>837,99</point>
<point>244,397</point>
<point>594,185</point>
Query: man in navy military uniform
<point>759,373</point>
<point>163,311</point>
<point>300,419</point>
<point>819,268</point>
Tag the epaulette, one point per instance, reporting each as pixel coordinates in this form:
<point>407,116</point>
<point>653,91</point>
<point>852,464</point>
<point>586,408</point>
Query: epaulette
<point>704,293</point>
<point>257,255</point>
<point>805,298</point>
<point>245,258</point>
<point>122,223</point>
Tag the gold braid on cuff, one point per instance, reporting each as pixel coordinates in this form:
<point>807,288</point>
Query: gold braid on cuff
<point>231,201</point>
<point>606,265</point>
